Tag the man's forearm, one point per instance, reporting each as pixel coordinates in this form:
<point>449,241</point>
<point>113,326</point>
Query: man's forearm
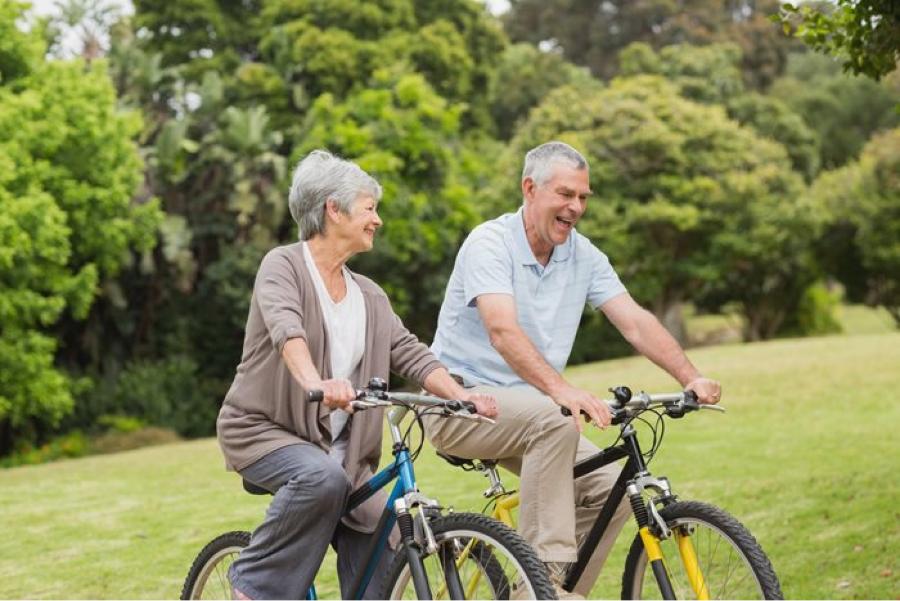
<point>653,341</point>
<point>522,356</point>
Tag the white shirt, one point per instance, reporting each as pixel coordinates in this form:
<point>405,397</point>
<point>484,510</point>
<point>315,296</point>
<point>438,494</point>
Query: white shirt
<point>345,323</point>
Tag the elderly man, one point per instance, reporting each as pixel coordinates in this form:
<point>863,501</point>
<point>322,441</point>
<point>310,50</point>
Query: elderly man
<point>506,328</point>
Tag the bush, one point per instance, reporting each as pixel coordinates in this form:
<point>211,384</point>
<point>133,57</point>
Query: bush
<point>73,444</point>
<point>816,312</point>
<point>170,393</point>
<point>118,441</point>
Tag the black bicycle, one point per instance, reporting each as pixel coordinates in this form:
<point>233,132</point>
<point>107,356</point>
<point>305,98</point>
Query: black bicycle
<point>683,549</point>
<point>442,556</point>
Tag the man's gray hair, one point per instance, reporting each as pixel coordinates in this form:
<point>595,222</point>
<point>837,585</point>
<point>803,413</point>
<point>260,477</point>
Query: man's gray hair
<point>321,176</point>
<point>540,161</point>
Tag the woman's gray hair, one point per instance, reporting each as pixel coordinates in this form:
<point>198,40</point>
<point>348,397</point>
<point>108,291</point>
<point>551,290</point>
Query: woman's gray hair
<point>540,161</point>
<point>321,176</point>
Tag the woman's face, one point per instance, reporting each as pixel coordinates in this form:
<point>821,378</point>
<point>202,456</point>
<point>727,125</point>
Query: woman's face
<point>358,228</point>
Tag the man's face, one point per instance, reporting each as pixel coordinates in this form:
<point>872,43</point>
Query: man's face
<point>553,208</point>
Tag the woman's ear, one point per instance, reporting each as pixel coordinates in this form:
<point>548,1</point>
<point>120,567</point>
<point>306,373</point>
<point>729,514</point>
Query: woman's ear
<point>332,211</point>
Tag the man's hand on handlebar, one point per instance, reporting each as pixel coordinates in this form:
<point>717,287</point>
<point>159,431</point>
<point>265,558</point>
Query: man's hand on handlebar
<point>709,392</point>
<point>485,404</point>
<point>577,400</point>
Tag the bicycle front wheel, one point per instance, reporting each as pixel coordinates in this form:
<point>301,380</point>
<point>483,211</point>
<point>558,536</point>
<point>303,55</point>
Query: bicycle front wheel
<point>493,562</point>
<point>208,576</point>
<point>729,562</point>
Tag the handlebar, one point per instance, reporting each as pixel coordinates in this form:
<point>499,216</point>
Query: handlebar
<point>625,405</point>
<point>376,395</point>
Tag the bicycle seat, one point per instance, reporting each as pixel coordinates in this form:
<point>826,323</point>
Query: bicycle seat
<point>254,489</point>
<point>466,464</point>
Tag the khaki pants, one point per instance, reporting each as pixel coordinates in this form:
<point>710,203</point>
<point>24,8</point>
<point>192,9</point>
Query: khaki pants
<point>534,440</point>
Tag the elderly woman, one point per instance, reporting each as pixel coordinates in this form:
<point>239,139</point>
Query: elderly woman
<point>314,324</point>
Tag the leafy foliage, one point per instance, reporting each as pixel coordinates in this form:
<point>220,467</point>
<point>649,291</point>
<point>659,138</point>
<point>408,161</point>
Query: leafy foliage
<point>524,76</point>
<point>67,224</point>
<point>711,74</point>
<point>863,199</point>
<point>865,34</point>
<point>593,34</point>
<point>843,111</point>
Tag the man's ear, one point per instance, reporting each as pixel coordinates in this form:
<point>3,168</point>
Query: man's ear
<point>528,187</point>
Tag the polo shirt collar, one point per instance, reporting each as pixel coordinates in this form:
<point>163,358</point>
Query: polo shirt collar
<point>522,248</point>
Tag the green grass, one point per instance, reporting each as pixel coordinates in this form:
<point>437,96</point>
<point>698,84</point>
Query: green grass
<point>805,457</point>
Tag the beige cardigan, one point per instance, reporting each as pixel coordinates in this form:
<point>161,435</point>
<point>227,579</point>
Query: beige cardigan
<point>266,409</point>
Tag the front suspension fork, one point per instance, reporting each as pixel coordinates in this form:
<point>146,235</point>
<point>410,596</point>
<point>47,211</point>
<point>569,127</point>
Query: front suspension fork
<point>651,543</point>
<point>646,528</point>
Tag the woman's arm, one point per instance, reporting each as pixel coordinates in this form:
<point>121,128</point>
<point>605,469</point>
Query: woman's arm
<point>337,393</point>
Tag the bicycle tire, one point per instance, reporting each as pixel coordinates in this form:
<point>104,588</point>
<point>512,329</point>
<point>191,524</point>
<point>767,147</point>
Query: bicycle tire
<point>215,559</point>
<point>504,559</point>
<point>709,527</point>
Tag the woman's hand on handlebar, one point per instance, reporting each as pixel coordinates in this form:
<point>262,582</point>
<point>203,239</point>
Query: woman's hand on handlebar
<point>485,404</point>
<point>337,394</point>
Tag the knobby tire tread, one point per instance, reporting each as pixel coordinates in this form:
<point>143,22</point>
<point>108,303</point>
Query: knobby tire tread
<point>235,538</point>
<point>722,520</point>
<point>503,534</point>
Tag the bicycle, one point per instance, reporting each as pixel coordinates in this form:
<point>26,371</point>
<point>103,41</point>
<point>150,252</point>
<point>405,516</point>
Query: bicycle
<point>730,563</point>
<point>438,551</point>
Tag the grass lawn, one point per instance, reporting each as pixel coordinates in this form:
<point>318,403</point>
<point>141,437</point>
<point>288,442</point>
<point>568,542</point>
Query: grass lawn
<point>805,457</point>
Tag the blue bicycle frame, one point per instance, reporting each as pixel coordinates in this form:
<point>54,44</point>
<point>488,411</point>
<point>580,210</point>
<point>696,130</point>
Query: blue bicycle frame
<point>401,470</point>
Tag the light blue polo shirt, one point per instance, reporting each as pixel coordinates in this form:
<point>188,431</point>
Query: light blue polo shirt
<point>496,258</point>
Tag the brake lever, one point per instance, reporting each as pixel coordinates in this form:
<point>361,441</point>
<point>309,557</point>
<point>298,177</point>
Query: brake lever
<point>713,408</point>
<point>363,404</point>
<point>476,417</point>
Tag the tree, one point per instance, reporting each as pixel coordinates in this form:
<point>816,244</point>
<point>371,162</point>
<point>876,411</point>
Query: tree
<point>711,74</point>
<point>844,111</point>
<point>863,202</point>
<point>230,104</point>
<point>68,170</point>
<point>688,204</point>
<point>593,33</point>
<point>90,21</point>
<point>523,77</point>
<point>864,34</point>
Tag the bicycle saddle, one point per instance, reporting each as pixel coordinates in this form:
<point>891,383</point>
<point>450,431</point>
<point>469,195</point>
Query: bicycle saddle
<point>254,489</point>
<point>466,464</point>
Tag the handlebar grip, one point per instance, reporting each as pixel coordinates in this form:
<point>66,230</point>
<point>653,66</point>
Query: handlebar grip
<point>470,406</point>
<point>691,397</point>
<point>315,396</point>
<point>617,414</point>
<point>568,412</point>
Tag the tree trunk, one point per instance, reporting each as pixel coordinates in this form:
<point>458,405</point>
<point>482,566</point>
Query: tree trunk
<point>671,316</point>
